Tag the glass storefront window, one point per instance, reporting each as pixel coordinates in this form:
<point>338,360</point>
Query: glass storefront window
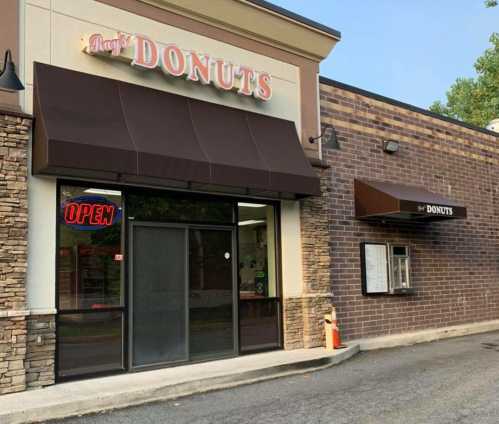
<point>89,270</point>
<point>90,257</point>
<point>90,266</point>
<point>258,295</point>
<point>259,323</point>
<point>89,343</point>
<point>166,207</point>
<point>257,267</point>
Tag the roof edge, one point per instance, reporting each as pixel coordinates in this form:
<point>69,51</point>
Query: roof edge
<point>258,20</point>
<point>394,102</point>
<point>296,17</point>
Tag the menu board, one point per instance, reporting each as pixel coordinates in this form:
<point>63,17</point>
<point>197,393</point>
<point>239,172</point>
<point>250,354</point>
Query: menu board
<point>374,268</point>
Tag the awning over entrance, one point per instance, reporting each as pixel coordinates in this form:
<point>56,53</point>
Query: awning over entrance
<point>383,200</point>
<point>93,127</point>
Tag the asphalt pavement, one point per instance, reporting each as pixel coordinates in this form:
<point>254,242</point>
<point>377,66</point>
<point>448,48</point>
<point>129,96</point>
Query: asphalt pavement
<point>450,381</point>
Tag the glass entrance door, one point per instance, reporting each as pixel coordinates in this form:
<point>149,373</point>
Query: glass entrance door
<point>182,293</point>
<point>211,293</point>
<point>158,294</point>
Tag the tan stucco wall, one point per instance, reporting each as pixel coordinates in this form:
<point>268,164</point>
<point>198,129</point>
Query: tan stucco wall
<point>52,32</point>
<point>54,35</point>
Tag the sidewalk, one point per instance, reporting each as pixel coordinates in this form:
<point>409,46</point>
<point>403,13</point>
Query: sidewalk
<point>120,391</point>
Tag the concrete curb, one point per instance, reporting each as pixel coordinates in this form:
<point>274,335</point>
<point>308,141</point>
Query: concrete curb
<point>161,392</point>
<point>425,336</point>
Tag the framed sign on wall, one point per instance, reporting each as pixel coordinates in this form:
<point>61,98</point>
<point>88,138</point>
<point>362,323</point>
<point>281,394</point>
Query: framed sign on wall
<point>374,268</point>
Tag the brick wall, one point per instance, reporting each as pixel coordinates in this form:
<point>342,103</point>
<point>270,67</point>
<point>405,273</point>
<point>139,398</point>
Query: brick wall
<point>455,263</point>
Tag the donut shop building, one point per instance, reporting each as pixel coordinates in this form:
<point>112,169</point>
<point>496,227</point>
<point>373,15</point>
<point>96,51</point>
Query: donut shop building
<point>178,184</point>
<point>153,196</point>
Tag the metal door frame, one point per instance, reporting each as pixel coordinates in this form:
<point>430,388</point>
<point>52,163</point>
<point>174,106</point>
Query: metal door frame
<point>235,293</point>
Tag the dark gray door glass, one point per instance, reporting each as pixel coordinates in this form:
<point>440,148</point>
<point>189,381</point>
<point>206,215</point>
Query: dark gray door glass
<point>159,287</point>
<point>211,296</point>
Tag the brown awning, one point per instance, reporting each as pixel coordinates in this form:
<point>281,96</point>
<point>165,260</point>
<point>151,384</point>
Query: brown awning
<point>383,200</point>
<point>92,127</point>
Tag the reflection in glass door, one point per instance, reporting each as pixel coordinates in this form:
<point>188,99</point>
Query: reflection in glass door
<point>211,292</point>
<point>159,294</point>
<point>182,293</point>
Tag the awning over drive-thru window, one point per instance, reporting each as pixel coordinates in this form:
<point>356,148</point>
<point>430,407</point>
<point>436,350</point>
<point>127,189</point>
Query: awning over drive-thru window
<point>93,127</point>
<point>384,200</point>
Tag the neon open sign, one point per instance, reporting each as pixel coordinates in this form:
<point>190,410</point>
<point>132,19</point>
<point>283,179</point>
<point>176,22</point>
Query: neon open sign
<point>90,213</point>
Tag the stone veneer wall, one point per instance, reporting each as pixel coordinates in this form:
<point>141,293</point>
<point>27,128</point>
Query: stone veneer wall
<point>316,254</point>
<point>14,137</point>
<point>304,316</point>
<point>293,322</point>
<point>27,343</point>
<point>12,353</point>
<point>40,354</point>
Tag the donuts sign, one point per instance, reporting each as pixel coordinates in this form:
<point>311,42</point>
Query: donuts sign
<point>145,53</point>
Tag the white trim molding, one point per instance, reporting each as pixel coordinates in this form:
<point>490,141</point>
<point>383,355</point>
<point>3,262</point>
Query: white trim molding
<point>10,313</point>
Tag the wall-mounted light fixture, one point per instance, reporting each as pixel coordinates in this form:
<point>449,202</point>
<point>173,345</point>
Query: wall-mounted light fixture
<point>9,80</point>
<point>390,146</point>
<point>328,138</point>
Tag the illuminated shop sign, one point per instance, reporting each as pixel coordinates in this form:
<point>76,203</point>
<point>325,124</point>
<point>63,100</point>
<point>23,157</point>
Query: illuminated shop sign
<point>90,213</point>
<point>144,53</point>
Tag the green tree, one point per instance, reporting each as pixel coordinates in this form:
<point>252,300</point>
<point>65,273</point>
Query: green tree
<point>475,100</point>
<point>491,3</point>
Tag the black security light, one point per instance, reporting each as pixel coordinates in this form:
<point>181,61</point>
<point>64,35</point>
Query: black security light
<point>8,78</point>
<point>390,146</point>
<point>328,138</point>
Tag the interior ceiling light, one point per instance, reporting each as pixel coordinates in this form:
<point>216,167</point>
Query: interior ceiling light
<point>250,205</point>
<point>251,222</point>
<point>102,191</point>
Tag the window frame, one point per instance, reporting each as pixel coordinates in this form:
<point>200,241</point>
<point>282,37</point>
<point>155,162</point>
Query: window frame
<point>122,308</point>
<point>125,304</point>
<point>391,260</point>
<point>278,271</point>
